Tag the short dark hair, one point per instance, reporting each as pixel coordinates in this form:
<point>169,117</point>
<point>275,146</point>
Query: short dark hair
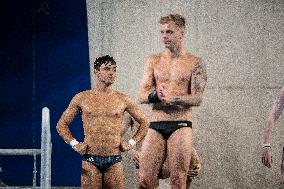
<point>102,60</point>
<point>176,18</point>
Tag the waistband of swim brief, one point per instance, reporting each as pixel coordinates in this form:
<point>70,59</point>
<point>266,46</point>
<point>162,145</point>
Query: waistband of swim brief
<point>172,123</point>
<point>86,156</point>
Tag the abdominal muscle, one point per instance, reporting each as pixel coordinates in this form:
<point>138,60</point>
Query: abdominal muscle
<point>103,139</point>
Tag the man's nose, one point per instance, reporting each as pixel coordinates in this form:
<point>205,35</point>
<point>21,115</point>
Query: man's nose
<point>111,72</point>
<point>164,36</point>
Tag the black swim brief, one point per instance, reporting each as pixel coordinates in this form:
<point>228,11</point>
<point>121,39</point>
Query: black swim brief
<point>167,128</point>
<point>102,163</point>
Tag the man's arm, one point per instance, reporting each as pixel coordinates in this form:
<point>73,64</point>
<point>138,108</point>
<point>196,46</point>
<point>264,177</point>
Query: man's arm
<point>138,116</point>
<point>147,83</point>
<point>277,108</point>
<point>66,118</point>
<point>198,83</point>
<point>276,111</point>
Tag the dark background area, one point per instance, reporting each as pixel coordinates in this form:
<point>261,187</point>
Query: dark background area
<point>44,62</point>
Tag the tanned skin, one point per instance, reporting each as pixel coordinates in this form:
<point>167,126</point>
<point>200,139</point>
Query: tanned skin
<point>194,167</point>
<point>179,78</point>
<point>276,111</point>
<point>102,112</point>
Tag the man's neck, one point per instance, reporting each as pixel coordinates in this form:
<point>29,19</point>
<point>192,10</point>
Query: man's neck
<point>175,52</point>
<point>103,88</point>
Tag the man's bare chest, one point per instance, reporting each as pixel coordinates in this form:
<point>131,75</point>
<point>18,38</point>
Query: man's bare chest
<point>100,106</point>
<point>173,71</point>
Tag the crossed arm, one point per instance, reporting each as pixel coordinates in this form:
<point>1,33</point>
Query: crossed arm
<point>198,83</point>
<point>197,86</point>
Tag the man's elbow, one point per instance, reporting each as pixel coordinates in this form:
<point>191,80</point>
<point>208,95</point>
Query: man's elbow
<point>58,128</point>
<point>198,101</point>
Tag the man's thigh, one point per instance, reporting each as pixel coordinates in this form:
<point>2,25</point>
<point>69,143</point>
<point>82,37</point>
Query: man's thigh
<point>114,177</point>
<point>152,154</point>
<point>194,167</point>
<point>180,149</point>
<point>91,177</point>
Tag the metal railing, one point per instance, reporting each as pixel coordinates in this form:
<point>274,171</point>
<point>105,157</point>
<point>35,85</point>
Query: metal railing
<point>45,152</point>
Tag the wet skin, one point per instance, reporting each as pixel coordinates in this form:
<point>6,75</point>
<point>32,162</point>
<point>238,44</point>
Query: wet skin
<point>194,167</point>
<point>179,78</point>
<point>102,112</point>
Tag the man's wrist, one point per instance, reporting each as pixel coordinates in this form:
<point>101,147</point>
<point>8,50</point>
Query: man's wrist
<point>132,143</point>
<point>73,143</point>
<point>266,145</point>
<point>153,97</point>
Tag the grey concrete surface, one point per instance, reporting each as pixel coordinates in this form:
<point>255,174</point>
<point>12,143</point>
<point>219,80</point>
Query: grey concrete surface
<point>242,43</point>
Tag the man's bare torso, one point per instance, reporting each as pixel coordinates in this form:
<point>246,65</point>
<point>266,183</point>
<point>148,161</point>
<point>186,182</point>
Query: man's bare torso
<point>174,75</point>
<point>102,116</point>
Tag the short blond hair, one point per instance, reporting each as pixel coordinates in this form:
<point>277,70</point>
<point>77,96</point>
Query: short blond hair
<point>176,18</point>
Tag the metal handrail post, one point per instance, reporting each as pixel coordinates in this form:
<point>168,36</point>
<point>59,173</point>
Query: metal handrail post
<point>45,176</point>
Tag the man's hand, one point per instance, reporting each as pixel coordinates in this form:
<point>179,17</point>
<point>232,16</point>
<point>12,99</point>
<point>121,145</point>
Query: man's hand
<point>164,96</point>
<point>266,157</point>
<point>192,173</point>
<point>135,157</point>
<point>80,148</point>
<point>166,99</point>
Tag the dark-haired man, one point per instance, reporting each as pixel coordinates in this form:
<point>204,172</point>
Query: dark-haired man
<point>173,81</point>
<point>102,114</point>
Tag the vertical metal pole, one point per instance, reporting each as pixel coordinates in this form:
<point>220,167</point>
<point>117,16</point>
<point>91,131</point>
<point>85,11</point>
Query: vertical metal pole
<point>45,172</point>
<point>34,172</point>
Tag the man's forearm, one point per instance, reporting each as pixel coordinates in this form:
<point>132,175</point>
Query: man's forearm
<point>143,99</point>
<point>141,131</point>
<point>149,96</point>
<point>268,131</point>
<point>64,131</point>
<point>276,111</point>
<point>188,100</point>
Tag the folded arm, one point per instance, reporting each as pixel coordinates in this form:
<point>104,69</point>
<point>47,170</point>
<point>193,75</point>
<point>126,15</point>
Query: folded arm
<point>198,83</point>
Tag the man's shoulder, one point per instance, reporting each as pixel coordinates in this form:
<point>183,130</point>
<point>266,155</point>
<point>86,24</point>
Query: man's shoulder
<point>122,96</point>
<point>82,94</point>
<point>192,57</point>
<point>155,57</point>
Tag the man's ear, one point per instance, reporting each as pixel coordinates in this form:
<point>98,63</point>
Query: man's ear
<point>96,71</point>
<point>182,33</point>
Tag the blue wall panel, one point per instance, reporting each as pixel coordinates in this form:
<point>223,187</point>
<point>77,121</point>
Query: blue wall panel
<point>60,70</point>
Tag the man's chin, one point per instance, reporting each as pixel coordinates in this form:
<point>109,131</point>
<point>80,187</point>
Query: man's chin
<point>168,46</point>
<point>109,82</point>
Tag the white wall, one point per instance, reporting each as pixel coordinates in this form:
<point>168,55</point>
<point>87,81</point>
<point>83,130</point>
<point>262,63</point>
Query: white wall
<point>242,43</point>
